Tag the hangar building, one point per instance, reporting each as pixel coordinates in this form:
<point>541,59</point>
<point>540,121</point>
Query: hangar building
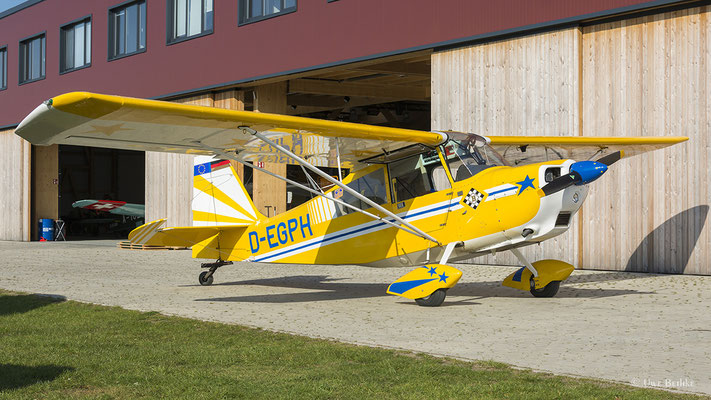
<point>510,67</point>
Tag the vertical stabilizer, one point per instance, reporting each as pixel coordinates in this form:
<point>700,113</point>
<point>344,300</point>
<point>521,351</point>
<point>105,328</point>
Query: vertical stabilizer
<point>219,198</point>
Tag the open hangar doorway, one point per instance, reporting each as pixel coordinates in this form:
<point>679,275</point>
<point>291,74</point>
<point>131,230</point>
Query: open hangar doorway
<point>110,175</point>
<point>391,91</point>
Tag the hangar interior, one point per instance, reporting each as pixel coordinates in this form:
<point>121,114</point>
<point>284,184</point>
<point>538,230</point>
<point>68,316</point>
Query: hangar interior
<point>99,174</point>
<point>64,174</point>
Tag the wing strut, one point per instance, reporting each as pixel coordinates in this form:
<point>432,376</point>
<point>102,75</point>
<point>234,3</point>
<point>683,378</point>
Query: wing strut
<point>234,157</point>
<point>347,189</point>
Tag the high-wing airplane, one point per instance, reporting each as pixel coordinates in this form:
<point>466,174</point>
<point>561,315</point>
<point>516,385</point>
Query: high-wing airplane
<point>413,198</point>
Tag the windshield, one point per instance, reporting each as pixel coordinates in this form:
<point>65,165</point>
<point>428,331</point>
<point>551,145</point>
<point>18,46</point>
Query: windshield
<point>468,156</point>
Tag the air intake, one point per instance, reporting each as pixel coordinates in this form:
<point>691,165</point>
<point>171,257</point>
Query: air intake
<point>563,219</point>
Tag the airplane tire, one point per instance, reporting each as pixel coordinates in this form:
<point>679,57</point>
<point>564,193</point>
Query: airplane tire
<point>205,281</point>
<point>549,290</point>
<point>434,300</point>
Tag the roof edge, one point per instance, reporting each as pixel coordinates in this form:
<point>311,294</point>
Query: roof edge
<point>19,7</point>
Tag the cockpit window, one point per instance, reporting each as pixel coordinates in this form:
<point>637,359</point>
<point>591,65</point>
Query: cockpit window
<point>467,158</point>
<point>416,176</point>
<point>371,186</point>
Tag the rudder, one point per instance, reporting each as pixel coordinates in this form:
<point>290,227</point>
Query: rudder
<point>219,197</point>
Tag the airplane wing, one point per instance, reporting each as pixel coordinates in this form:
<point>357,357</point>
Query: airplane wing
<point>519,150</point>
<point>88,119</point>
<point>113,207</point>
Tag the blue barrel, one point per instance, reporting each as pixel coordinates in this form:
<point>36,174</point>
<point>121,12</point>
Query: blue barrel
<point>46,229</point>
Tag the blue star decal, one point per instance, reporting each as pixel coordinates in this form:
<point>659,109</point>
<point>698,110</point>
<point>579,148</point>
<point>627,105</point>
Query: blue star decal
<point>526,183</point>
<point>433,271</point>
<point>443,277</point>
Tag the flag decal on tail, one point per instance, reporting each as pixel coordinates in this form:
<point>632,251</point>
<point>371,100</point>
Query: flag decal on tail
<point>208,167</point>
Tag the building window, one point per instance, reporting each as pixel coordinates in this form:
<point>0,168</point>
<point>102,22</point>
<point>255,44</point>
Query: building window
<point>127,29</point>
<point>75,45</point>
<point>3,68</point>
<point>257,10</point>
<point>32,55</point>
<point>188,18</point>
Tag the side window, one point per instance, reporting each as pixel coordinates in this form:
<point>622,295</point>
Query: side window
<point>416,176</point>
<point>371,186</point>
<point>127,29</point>
<point>188,18</point>
<point>257,10</point>
<point>3,68</point>
<point>32,57</point>
<point>75,45</point>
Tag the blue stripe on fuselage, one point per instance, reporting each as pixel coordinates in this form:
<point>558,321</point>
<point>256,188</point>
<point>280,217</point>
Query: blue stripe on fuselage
<point>501,191</point>
<point>340,235</point>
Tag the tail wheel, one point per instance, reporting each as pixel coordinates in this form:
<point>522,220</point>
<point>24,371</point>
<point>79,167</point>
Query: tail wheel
<point>434,300</point>
<point>204,279</point>
<point>549,290</point>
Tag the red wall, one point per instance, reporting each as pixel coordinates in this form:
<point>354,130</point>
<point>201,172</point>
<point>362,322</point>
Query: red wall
<point>318,33</point>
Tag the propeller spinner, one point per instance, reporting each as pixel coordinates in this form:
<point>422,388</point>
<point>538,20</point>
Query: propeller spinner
<point>581,173</point>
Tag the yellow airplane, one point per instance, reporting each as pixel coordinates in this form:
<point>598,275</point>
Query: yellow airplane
<point>413,198</point>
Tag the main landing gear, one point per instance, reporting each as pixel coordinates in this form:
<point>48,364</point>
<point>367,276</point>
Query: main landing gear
<point>428,285</point>
<point>206,277</point>
<point>541,278</point>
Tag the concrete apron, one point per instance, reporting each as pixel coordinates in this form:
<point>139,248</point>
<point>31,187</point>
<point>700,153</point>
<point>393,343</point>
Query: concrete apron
<point>640,329</point>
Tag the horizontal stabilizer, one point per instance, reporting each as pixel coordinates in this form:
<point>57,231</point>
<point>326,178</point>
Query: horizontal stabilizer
<point>153,235</point>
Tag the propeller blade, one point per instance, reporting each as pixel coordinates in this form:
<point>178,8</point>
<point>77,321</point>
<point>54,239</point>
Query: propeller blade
<point>611,158</point>
<point>561,182</point>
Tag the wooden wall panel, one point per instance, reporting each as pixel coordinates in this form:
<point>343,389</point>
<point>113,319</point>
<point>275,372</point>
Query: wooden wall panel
<point>45,190</point>
<point>650,76</point>
<point>169,180</point>
<point>270,192</point>
<point>15,183</point>
<point>523,86</point>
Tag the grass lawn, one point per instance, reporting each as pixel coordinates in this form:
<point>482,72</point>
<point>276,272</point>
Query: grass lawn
<point>63,349</point>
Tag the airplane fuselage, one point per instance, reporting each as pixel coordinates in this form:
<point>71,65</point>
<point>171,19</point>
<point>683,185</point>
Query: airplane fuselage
<point>498,208</point>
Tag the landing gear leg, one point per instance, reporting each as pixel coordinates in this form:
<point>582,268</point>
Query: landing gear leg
<point>206,277</point>
<point>525,262</point>
<point>542,278</point>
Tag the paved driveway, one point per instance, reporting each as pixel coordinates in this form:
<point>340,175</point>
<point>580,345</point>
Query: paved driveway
<point>648,330</point>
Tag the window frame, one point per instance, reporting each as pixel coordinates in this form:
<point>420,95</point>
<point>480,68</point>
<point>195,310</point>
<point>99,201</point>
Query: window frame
<point>110,25</point>
<point>84,19</point>
<point>170,17</point>
<point>21,61</point>
<point>248,20</point>
<point>343,210</point>
<point>3,67</point>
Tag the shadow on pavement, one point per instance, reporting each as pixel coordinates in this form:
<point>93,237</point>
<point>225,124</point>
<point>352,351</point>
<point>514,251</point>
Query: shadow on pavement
<point>14,376</point>
<point>324,289</point>
<point>605,277</point>
<point>23,303</point>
